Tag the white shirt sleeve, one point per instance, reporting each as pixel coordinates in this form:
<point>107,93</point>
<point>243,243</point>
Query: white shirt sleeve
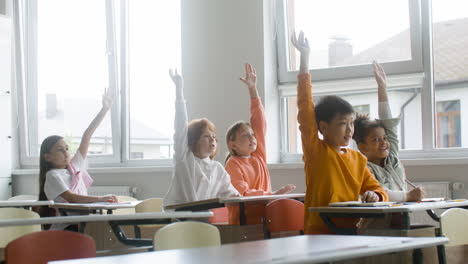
<point>55,184</point>
<point>78,161</point>
<point>396,196</point>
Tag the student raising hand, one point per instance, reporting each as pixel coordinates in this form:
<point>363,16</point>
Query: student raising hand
<point>178,81</point>
<point>250,80</point>
<point>302,45</point>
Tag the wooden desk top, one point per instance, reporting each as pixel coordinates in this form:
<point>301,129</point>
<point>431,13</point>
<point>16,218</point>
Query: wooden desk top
<point>219,202</point>
<point>297,249</point>
<point>95,206</point>
<point>398,208</point>
<point>24,203</point>
<point>100,218</point>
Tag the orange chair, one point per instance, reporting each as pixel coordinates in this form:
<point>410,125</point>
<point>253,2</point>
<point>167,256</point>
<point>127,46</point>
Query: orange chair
<point>220,216</point>
<point>41,247</point>
<point>283,215</point>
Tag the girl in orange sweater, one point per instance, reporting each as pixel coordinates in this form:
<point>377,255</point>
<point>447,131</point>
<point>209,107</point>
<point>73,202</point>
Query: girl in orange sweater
<point>246,162</point>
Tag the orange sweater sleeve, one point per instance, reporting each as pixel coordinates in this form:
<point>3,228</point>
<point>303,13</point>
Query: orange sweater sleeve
<point>237,180</point>
<point>258,124</point>
<point>371,184</point>
<point>306,115</point>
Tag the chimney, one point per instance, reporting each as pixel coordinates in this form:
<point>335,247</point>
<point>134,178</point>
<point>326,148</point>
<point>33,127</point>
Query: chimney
<point>51,106</point>
<point>339,49</point>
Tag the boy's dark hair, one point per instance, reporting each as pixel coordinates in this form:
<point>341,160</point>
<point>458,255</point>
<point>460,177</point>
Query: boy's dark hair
<point>362,125</point>
<point>330,106</point>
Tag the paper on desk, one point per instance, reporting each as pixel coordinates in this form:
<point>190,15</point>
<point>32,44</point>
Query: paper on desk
<point>360,204</point>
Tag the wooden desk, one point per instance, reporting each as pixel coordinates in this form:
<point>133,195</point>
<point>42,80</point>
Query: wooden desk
<point>298,249</point>
<point>88,208</point>
<point>221,202</point>
<point>27,204</point>
<point>115,221</point>
<point>328,212</point>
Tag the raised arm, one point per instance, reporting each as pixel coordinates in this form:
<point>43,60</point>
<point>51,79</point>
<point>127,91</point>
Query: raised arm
<point>381,79</point>
<point>86,138</point>
<point>180,120</point>
<point>305,104</point>
<point>257,113</point>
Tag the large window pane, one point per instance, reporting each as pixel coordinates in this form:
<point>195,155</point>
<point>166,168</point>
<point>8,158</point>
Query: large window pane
<point>154,47</point>
<point>344,33</point>
<point>450,42</point>
<point>71,73</point>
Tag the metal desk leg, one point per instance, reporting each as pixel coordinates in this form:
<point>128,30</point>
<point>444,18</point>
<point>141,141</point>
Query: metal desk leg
<point>433,215</point>
<point>242,219</point>
<point>417,256</point>
<point>406,221</point>
<point>441,250</point>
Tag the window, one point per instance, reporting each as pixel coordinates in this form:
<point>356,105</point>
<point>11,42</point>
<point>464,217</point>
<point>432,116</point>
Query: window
<point>448,124</point>
<point>363,109</point>
<point>344,41</point>
<point>449,26</point>
<point>342,50</point>
<point>72,50</point>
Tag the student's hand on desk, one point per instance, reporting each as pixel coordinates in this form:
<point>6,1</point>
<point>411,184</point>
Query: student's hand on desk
<point>285,189</point>
<point>108,198</point>
<point>370,197</point>
<point>417,194</point>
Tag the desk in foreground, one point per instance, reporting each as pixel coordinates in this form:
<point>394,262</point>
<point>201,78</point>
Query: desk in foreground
<point>298,249</point>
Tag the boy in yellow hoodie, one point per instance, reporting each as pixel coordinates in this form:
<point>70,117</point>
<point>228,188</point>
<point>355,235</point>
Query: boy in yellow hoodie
<point>333,173</point>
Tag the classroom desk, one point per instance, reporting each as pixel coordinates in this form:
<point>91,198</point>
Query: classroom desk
<point>115,221</point>
<point>89,208</point>
<point>27,204</point>
<point>298,249</point>
<point>403,210</point>
<point>221,202</point>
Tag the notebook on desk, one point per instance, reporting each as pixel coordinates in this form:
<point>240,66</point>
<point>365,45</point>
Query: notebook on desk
<point>360,204</point>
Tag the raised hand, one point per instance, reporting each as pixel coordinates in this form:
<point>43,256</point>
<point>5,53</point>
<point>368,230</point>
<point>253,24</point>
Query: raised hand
<point>107,99</point>
<point>302,45</point>
<point>178,81</point>
<point>379,75</point>
<point>250,76</point>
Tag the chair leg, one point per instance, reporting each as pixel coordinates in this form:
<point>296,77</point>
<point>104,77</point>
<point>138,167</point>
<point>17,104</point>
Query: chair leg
<point>441,254</point>
<point>137,230</point>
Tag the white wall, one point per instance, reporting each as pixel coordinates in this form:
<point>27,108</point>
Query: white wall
<point>218,37</point>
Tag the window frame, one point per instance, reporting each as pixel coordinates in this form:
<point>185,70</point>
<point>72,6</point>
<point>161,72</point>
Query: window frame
<point>117,58</point>
<point>354,71</point>
<point>414,77</point>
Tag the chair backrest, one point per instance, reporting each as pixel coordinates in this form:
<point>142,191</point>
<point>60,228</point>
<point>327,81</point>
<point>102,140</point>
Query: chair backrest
<point>41,247</point>
<point>284,215</point>
<point>187,234</point>
<point>23,197</point>
<point>220,216</point>
<point>10,233</point>
<point>150,205</point>
<point>454,225</point>
<point>123,198</point>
